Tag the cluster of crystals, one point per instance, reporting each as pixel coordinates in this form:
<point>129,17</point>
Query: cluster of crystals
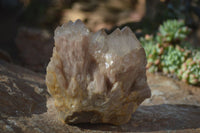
<point>95,77</point>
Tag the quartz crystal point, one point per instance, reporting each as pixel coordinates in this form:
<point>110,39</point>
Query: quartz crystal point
<point>95,77</point>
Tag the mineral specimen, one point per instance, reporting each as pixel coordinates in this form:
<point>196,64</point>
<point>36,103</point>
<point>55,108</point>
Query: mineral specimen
<point>95,77</point>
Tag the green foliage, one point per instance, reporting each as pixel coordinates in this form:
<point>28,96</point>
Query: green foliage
<point>172,59</point>
<point>190,71</point>
<point>172,31</point>
<point>153,53</point>
<point>164,55</point>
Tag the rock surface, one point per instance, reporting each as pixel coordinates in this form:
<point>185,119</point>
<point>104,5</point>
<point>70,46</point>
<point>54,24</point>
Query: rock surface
<point>35,48</point>
<point>96,78</point>
<point>169,91</point>
<point>25,107</point>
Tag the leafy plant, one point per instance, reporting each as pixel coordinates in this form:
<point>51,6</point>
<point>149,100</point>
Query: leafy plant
<point>172,59</point>
<point>172,31</point>
<point>190,71</point>
<point>153,52</point>
<point>163,53</point>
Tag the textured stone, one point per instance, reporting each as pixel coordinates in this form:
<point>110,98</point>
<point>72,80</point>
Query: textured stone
<point>95,77</point>
<point>170,91</point>
<point>35,48</point>
<point>20,91</point>
<point>24,109</point>
<point>5,56</point>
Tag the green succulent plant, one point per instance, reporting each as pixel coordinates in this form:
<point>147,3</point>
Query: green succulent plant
<point>172,31</point>
<point>196,55</point>
<point>153,52</point>
<point>163,53</point>
<point>172,59</point>
<point>190,71</point>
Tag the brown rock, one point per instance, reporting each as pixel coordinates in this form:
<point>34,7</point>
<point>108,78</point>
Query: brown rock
<point>37,113</point>
<point>154,118</point>
<point>5,56</point>
<point>35,48</point>
<point>169,91</point>
<point>19,88</point>
<point>22,93</point>
<point>96,78</point>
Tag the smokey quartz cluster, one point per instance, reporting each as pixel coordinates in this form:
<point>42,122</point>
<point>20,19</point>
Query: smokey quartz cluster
<point>95,77</point>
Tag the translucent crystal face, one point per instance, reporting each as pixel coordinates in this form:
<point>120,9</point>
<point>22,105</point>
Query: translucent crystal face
<point>113,46</point>
<point>95,73</point>
<point>76,28</point>
<point>120,42</point>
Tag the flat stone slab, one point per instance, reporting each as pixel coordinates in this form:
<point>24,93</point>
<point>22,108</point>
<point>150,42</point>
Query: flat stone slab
<point>25,106</point>
<point>170,91</point>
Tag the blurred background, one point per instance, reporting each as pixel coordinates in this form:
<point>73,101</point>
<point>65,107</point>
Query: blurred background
<point>27,28</point>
